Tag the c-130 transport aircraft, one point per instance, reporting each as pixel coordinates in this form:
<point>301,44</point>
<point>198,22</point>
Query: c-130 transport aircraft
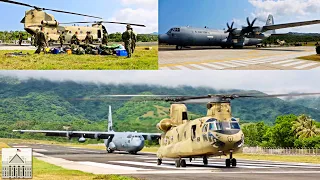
<point>237,38</point>
<point>131,142</point>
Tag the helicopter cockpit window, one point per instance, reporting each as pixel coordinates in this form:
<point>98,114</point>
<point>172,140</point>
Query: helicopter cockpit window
<point>169,32</point>
<point>212,126</point>
<point>205,128</point>
<point>234,124</point>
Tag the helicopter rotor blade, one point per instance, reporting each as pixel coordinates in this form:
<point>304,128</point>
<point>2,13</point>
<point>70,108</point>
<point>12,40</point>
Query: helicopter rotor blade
<point>192,99</point>
<point>102,22</point>
<point>67,12</point>
<point>54,10</point>
<point>17,3</point>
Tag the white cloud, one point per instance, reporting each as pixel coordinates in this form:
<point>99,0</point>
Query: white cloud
<point>286,11</point>
<point>137,12</point>
<point>267,81</point>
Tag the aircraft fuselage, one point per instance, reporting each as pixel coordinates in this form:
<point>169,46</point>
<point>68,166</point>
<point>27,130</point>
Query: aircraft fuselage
<point>188,36</point>
<point>125,141</point>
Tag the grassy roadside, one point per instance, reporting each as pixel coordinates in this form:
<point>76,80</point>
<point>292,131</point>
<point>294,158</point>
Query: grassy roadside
<point>43,170</point>
<point>141,60</point>
<point>311,58</point>
<point>283,158</point>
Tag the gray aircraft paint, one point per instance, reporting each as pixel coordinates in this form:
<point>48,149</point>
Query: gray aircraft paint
<point>185,36</point>
<point>131,142</point>
<point>123,141</point>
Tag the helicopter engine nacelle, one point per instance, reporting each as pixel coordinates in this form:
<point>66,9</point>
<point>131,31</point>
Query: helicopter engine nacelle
<point>50,23</point>
<point>82,140</point>
<point>164,125</point>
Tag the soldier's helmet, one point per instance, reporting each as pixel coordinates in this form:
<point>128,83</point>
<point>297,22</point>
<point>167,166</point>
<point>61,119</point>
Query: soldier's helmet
<point>76,32</point>
<point>128,26</point>
<point>59,31</point>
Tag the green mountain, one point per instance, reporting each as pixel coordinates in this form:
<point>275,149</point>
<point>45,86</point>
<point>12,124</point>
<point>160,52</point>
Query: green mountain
<point>310,102</point>
<point>44,104</point>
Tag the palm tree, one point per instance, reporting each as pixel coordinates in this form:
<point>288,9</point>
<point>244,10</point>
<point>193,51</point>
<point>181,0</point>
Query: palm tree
<point>305,127</point>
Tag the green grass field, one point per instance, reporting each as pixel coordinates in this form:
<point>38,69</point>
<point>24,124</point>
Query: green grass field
<point>47,171</point>
<point>141,60</point>
<point>311,58</point>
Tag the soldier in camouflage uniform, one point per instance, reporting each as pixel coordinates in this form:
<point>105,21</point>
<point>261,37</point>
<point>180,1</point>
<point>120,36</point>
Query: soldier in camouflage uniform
<point>75,39</point>
<point>36,38</point>
<point>127,38</point>
<point>134,41</point>
<point>41,41</point>
<point>89,38</point>
<point>61,38</point>
<point>105,38</point>
<point>20,38</point>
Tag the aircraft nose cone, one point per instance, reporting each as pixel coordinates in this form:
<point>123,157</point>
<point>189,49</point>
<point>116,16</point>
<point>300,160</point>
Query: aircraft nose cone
<point>163,38</point>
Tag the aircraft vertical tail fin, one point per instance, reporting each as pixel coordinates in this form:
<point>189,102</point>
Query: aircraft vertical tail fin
<point>110,128</point>
<point>270,21</point>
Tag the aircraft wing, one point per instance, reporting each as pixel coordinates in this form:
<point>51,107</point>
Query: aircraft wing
<point>71,134</point>
<point>288,25</point>
<point>150,136</point>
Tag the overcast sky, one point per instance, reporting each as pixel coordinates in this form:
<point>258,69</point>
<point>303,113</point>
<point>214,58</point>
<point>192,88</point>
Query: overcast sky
<point>265,81</point>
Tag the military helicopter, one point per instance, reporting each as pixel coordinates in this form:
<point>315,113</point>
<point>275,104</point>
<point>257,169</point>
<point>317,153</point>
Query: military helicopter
<point>37,17</point>
<point>216,134</point>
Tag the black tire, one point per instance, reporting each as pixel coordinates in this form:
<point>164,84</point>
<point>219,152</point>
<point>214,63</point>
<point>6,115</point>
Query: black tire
<point>159,162</point>
<point>133,152</point>
<point>183,163</point>
<point>228,161</point>
<point>234,162</point>
<point>109,150</point>
<point>205,161</point>
<point>177,163</point>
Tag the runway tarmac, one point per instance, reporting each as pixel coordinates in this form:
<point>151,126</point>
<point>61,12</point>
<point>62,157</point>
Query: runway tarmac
<point>277,58</point>
<point>143,165</point>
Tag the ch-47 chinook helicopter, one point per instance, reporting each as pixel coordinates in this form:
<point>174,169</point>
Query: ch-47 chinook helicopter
<point>37,17</point>
<point>216,134</point>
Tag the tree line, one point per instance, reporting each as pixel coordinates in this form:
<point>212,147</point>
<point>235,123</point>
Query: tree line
<point>288,131</point>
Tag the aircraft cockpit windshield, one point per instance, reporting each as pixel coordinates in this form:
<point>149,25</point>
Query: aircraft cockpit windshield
<point>138,137</point>
<point>215,125</point>
<point>172,30</point>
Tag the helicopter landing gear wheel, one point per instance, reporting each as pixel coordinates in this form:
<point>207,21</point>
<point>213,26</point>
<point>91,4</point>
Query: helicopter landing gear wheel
<point>133,152</point>
<point>177,163</point>
<point>159,162</point>
<point>178,47</point>
<point>183,163</point>
<point>228,163</point>
<point>205,160</point>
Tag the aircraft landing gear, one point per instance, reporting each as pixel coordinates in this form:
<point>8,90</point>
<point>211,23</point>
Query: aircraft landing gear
<point>231,162</point>
<point>205,160</point>
<point>178,47</point>
<point>180,163</point>
<point>159,162</point>
<point>133,152</point>
<point>109,150</point>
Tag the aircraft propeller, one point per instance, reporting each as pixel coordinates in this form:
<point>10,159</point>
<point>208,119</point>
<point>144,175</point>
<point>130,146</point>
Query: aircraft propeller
<point>250,28</point>
<point>46,9</point>
<point>230,28</point>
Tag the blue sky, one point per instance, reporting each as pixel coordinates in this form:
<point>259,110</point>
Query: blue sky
<point>216,13</point>
<point>121,10</point>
